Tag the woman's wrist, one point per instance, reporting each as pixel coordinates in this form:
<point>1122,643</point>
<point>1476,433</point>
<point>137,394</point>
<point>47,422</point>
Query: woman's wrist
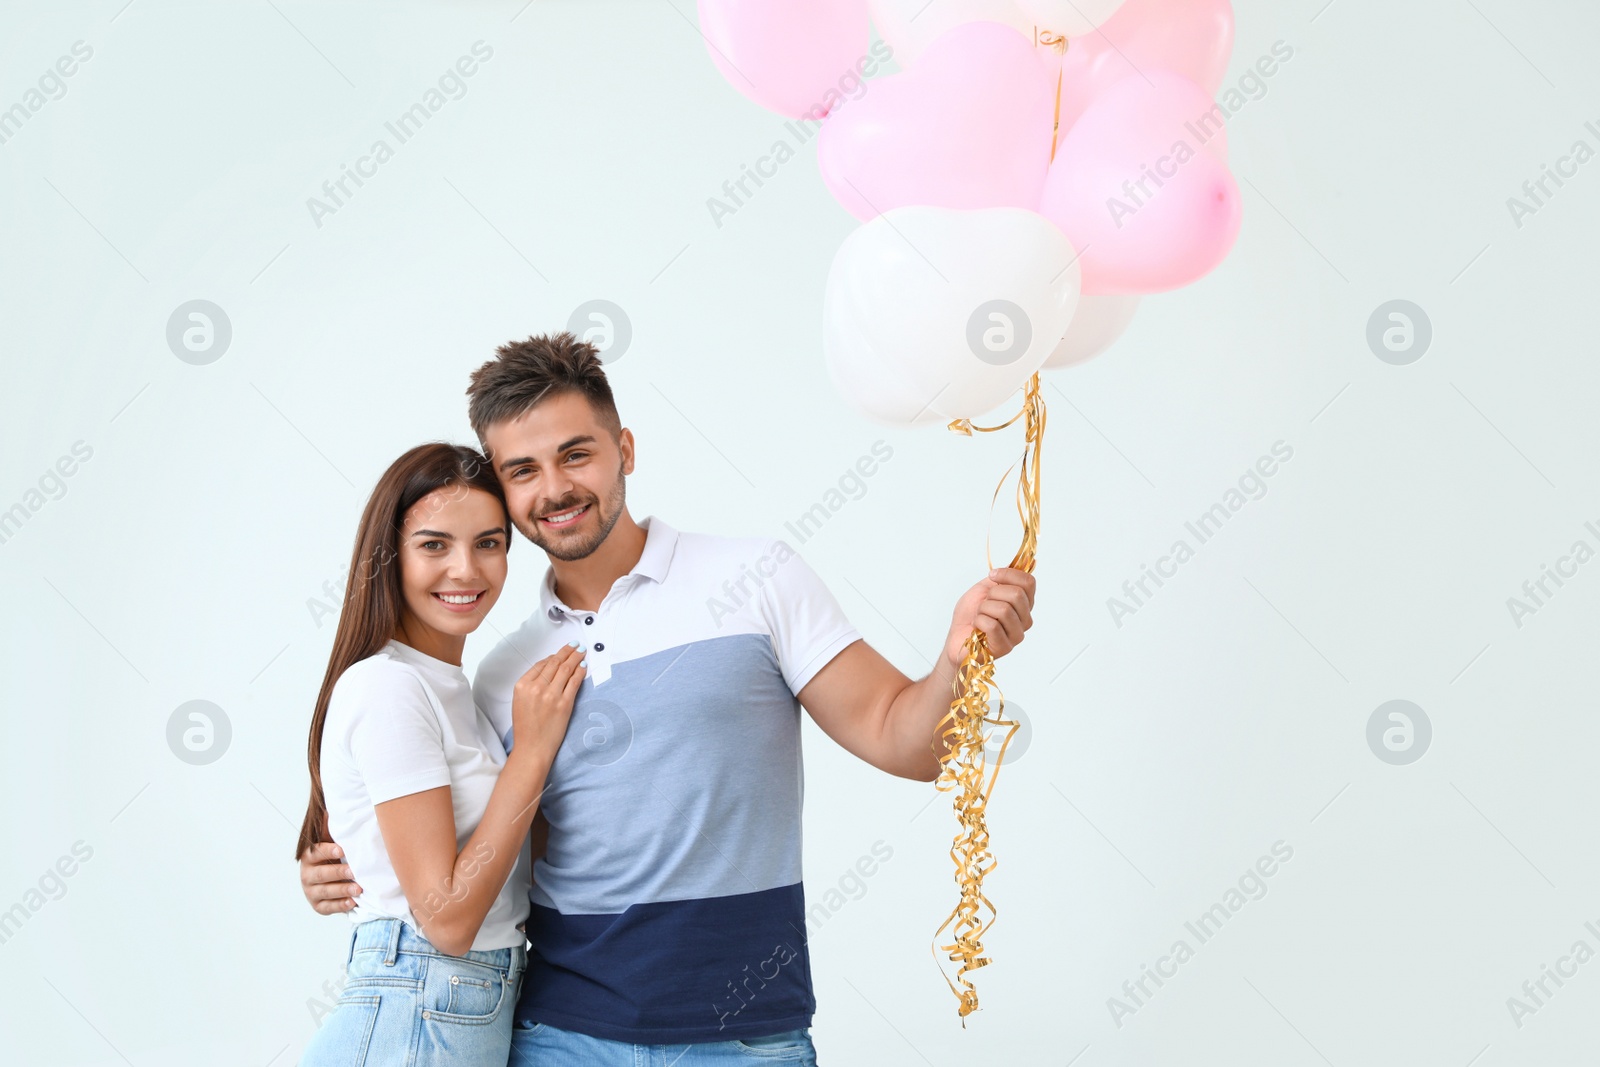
<point>531,756</point>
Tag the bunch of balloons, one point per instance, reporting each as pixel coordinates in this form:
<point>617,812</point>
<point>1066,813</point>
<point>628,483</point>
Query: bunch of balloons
<point>1034,168</point>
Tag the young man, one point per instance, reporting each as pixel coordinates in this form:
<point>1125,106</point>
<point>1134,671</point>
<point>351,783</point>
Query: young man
<point>668,915</point>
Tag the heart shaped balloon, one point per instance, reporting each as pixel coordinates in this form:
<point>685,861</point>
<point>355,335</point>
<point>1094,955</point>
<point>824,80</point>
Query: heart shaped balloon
<point>1098,321</point>
<point>864,376</point>
<point>1136,189</point>
<point>954,310</point>
<point>1071,17</point>
<point>909,26</point>
<point>794,57</point>
<point>1189,37</point>
<point>967,127</point>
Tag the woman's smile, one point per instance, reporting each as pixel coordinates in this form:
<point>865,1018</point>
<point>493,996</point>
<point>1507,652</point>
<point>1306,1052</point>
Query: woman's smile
<point>463,601</point>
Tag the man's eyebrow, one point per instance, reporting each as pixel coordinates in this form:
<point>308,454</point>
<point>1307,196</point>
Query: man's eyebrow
<point>562,447</point>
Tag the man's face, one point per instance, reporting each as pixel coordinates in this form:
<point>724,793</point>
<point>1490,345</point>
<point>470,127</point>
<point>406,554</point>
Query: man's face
<point>555,459</point>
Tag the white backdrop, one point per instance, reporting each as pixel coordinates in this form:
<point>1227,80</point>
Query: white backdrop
<point>209,504</point>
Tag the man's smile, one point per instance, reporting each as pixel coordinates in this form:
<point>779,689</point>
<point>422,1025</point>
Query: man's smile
<point>564,520</point>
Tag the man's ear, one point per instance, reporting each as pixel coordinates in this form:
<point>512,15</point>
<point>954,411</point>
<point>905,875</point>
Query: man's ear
<point>625,443</point>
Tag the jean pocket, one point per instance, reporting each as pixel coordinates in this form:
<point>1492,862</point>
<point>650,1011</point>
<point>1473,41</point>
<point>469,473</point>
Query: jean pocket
<point>792,1045</point>
<point>459,991</point>
<point>473,996</point>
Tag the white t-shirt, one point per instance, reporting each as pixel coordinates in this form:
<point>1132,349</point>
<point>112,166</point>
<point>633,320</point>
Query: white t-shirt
<point>400,722</point>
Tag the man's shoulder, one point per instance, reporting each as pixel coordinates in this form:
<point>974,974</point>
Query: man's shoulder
<point>514,653</point>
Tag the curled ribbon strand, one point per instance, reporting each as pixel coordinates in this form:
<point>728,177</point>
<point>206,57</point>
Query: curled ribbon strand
<point>1059,43</point>
<point>962,765</point>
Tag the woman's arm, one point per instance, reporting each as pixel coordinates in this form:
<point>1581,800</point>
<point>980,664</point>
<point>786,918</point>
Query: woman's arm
<point>451,892</point>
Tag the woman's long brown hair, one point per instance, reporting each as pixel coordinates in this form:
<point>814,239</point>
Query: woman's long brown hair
<point>374,600</point>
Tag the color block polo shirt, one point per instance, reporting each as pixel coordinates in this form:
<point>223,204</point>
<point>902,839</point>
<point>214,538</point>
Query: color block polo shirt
<point>668,906</point>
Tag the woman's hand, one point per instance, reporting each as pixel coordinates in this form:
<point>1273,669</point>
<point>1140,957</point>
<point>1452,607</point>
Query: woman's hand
<point>542,701</point>
<point>451,889</point>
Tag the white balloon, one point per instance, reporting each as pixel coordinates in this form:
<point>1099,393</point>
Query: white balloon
<point>1071,17</point>
<point>909,25</point>
<point>863,377</point>
<point>945,311</point>
<point>1099,320</point>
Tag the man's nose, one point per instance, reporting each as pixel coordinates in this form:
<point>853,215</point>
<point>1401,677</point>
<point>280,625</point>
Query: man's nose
<point>559,488</point>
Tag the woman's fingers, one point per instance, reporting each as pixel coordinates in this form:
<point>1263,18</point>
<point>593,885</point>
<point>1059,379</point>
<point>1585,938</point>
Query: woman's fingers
<point>546,668</point>
<point>574,682</point>
<point>569,666</point>
<point>536,673</point>
<point>564,661</point>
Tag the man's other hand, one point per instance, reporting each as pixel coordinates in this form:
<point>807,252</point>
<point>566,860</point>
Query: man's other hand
<point>326,880</point>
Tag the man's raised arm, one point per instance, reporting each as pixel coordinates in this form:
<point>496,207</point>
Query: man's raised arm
<point>868,706</point>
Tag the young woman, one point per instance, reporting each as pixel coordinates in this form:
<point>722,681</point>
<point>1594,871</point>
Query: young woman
<point>411,779</point>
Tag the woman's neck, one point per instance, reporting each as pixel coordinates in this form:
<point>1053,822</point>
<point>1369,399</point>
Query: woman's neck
<point>429,641</point>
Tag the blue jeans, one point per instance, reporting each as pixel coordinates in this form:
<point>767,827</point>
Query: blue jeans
<point>542,1045</point>
<point>406,1004</point>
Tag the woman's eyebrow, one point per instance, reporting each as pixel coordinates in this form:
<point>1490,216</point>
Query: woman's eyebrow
<point>451,537</point>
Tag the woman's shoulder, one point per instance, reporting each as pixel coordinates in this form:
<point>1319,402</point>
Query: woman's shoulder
<point>379,679</point>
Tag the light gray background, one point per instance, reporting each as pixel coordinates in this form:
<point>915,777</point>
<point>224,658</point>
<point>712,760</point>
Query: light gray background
<point>1168,754</point>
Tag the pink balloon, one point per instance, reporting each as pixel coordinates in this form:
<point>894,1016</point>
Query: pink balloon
<point>800,58</point>
<point>1136,191</point>
<point>968,126</point>
<point>1189,37</point>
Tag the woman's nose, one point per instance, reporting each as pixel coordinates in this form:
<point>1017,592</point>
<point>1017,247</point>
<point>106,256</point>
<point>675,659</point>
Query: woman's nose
<point>463,564</point>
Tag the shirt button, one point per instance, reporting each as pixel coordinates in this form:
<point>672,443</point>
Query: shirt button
<point>598,647</point>
<point>588,618</point>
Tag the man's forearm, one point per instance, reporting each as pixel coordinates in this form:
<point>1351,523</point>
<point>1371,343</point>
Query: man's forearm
<point>912,722</point>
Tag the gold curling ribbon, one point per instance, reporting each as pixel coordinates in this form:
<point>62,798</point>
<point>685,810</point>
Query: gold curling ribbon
<point>1059,43</point>
<point>962,766</point>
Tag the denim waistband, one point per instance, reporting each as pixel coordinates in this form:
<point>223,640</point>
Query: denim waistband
<point>394,936</point>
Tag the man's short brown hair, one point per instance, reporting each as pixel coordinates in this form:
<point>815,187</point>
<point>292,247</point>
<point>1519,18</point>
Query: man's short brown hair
<point>523,373</point>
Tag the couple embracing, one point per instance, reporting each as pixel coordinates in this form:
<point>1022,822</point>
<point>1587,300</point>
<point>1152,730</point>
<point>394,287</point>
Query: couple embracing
<point>589,853</point>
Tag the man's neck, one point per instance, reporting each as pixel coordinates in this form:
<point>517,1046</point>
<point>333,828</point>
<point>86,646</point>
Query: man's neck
<point>582,583</point>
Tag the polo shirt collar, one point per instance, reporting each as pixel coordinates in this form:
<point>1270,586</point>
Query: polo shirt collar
<point>659,542</point>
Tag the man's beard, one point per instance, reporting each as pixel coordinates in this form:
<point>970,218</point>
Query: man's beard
<point>563,547</point>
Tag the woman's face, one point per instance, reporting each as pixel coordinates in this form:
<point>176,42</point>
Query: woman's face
<point>453,558</point>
